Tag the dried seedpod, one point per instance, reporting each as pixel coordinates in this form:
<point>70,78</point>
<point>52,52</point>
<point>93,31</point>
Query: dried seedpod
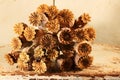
<point>53,12</point>
<point>85,18</point>
<point>35,19</point>
<point>15,55</point>
<point>83,62</point>
<point>29,33</point>
<point>38,52</point>
<point>65,36</point>
<point>16,43</point>
<point>43,9</point>
<point>68,53</point>
<point>76,24</point>
<point>65,64</point>
<point>12,57</point>
<point>90,34</point>
<point>48,41</point>
<point>80,35</point>
<point>52,54</point>
<point>22,65</point>
<point>51,66</point>
<point>52,26</point>
<point>82,20</point>
<point>25,43</point>
<point>39,67</point>
<point>67,50</point>
<point>66,46</point>
<point>23,60</point>
<point>66,18</point>
<point>19,28</point>
<point>24,57</point>
<point>83,48</point>
<point>39,33</point>
<point>9,59</point>
<point>29,67</point>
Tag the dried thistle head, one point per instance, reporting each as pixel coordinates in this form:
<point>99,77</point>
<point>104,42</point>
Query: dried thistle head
<point>52,26</point>
<point>53,12</point>
<point>80,35</point>
<point>66,18</point>
<point>85,18</point>
<point>48,41</point>
<point>39,67</point>
<point>35,19</point>
<point>43,9</point>
<point>29,33</point>
<point>38,52</point>
<point>83,48</point>
<point>19,28</point>
<point>90,33</point>
<point>9,59</point>
<point>16,44</point>
<point>65,36</point>
<point>52,54</point>
<point>84,62</point>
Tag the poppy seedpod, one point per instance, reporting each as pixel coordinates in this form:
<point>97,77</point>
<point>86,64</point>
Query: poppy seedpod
<point>66,18</point>
<point>83,48</point>
<point>65,36</point>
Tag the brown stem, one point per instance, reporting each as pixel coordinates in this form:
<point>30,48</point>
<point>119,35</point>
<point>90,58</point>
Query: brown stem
<point>53,2</point>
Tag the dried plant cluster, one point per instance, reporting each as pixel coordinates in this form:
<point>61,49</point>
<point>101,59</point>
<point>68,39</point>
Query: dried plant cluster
<point>54,42</point>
